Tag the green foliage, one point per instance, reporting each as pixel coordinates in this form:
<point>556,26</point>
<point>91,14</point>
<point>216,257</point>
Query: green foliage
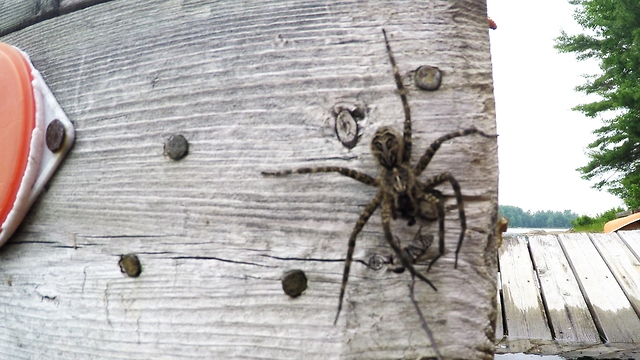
<point>583,221</point>
<point>596,224</point>
<point>613,37</point>
<point>540,219</point>
<point>556,219</point>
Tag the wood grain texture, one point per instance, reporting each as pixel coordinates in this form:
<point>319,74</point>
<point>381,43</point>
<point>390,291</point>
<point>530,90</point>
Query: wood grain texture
<point>632,240</point>
<point>524,310</point>
<point>572,322</point>
<point>624,265</point>
<point>499,318</point>
<point>612,309</point>
<point>589,294</point>
<point>252,86</point>
<point>18,14</point>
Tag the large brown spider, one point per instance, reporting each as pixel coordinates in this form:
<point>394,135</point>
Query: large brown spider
<point>400,193</point>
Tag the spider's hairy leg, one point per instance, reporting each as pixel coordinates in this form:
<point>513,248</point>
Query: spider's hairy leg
<point>425,327</point>
<point>364,217</point>
<point>404,258</point>
<point>437,180</point>
<point>405,104</point>
<point>440,211</point>
<point>363,178</point>
<point>428,154</point>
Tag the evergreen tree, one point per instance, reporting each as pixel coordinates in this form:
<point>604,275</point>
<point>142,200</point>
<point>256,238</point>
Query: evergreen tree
<point>540,219</point>
<point>613,37</point>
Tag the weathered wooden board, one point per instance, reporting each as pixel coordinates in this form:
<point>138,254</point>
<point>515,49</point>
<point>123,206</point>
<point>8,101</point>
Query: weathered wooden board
<point>499,321</point>
<point>584,302</point>
<point>612,310</point>
<point>524,310</point>
<point>18,14</point>
<point>624,266</point>
<point>252,86</point>
<point>568,312</point>
<point>632,240</point>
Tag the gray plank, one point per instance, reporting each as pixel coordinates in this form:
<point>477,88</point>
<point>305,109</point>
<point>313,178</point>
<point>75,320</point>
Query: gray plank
<point>622,263</point>
<point>612,308</point>
<point>522,301</point>
<point>499,308</point>
<point>251,85</point>
<point>18,14</point>
<point>632,240</point>
<point>67,6</point>
<point>570,317</point>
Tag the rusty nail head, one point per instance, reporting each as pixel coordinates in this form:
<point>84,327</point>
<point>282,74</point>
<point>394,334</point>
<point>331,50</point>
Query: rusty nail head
<point>55,135</point>
<point>176,147</point>
<point>428,77</point>
<point>130,265</point>
<point>294,282</point>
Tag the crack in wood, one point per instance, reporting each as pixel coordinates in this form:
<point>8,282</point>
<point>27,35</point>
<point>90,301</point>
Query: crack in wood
<point>316,259</point>
<point>219,259</point>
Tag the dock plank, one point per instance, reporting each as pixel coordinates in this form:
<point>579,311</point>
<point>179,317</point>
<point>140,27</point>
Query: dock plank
<point>590,311</point>
<point>499,319</point>
<point>18,14</point>
<point>15,14</point>
<point>622,263</point>
<point>522,300</point>
<point>566,306</point>
<point>612,310</point>
<point>632,240</point>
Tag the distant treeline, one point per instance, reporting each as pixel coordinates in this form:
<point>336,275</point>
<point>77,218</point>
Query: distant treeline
<point>540,219</point>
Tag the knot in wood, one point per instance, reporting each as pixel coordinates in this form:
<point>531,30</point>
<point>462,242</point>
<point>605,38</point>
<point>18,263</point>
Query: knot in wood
<point>377,262</point>
<point>347,116</point>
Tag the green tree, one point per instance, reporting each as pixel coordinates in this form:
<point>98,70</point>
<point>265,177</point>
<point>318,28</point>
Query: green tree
<point>540,219</point>
<point>612,36</point>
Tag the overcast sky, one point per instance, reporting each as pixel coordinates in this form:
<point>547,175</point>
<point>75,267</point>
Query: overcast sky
<point>542,141</point>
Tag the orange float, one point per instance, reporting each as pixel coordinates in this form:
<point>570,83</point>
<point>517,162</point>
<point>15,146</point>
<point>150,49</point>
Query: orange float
<point>27,110</point>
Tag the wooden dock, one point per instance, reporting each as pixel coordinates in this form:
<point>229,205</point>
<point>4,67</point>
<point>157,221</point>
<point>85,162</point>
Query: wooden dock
<point>570,294</point>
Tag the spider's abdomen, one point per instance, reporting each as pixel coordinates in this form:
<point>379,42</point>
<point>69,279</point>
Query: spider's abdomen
<point>427,210</point>
<point>405,207</point>
<point>427,205</point>
<point>400,183</point>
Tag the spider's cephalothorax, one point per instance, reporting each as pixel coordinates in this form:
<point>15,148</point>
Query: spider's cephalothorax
<point>387,147</point>
<point>400,193</point>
